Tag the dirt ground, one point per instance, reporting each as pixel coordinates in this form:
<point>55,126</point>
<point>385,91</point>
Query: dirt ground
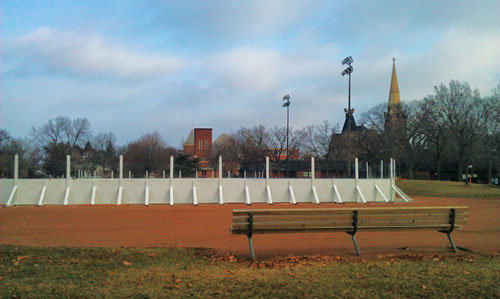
<point>208,226</point>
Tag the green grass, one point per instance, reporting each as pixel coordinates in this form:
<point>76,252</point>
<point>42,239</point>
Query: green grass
<point>448,189</point>
<point>173,272</point>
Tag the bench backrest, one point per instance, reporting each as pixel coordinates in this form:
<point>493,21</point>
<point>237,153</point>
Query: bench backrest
<point>256,221</point>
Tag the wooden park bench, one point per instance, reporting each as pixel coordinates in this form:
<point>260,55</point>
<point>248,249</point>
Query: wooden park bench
<point>348,220</point>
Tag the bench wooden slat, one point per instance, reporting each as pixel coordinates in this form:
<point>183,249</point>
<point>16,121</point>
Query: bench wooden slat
<point>323,224</point>
<point>343,211</point>
<point>349,229</point>
<point>283,218</point>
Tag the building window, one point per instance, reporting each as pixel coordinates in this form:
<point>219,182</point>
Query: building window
<point>204,173</point>
<point>206,143</point>
<point>201,143</point>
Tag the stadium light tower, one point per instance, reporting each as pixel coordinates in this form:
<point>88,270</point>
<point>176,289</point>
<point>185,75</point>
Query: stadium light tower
<point>348,112</point>
<point>286,98</point>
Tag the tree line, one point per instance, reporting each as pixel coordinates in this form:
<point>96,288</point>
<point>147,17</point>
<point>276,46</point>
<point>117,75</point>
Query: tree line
<point>446,132</point>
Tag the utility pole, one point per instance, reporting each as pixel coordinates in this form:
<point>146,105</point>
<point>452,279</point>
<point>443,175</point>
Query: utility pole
<point>286,98</point>
<point>349,111</point>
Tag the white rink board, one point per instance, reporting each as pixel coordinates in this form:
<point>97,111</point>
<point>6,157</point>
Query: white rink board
<point>133,190</point>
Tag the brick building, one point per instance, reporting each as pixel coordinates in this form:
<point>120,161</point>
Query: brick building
<point>199,145</point>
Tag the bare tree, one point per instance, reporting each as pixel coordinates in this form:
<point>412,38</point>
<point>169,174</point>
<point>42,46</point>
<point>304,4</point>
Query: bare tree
<point>275,145</point>
<point>319,141</point>
<point>228,149</point>
<point>51,132</point>
<point>104,150</point>
<point>251,146</point>
<point>77,132</point>
<point>148,153</point>
<point>458,108</point>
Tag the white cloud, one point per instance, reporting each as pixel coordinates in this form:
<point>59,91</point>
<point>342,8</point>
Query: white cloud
<point>87,55</point>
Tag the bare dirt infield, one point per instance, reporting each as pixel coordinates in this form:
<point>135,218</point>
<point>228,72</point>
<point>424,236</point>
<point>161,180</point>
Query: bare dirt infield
<point>208,226</point>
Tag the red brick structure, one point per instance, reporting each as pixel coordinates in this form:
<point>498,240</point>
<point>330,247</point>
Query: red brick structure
<point>199,145</point>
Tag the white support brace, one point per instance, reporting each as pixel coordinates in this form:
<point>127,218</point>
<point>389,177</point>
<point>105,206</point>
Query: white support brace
<point>381,193</point>
<point>42,195</point>
<point>171,182</point>
<point>361,194</point>
<point>401,193</point>
<point>337,193</point>
<point>292,195</point>
<point>391,175</point>
<point>66,196</point>
<point>120,195</point>
<point>68,179</point>
<point>195,195</point>
<point>11,196</point>
<point>94,190</point>
<point>171,195</point>
<point>269,196</point>
<point>221,195</point>
<point>356,177</point>
<point>247,196</point>
<point>146,196</point>
<point>315,195</point>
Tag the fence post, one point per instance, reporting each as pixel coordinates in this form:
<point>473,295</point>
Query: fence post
<point>367,170</point>
<point>121,167</point>
<point>16,168</point>
<point>381,169</point>
<point>16,178</point>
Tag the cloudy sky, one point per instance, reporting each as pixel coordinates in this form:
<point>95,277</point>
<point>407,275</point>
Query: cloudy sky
<point>133,67</point>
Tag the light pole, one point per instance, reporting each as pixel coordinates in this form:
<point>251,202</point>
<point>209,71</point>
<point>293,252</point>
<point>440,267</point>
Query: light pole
<point>348,112</point>
<point>286,98</point>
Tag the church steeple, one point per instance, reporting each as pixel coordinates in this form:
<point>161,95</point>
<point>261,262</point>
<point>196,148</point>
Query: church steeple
<point>394,98</point>
<point>395,118</point>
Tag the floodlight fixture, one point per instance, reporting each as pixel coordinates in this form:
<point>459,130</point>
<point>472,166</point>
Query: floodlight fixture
<point>348,60</point>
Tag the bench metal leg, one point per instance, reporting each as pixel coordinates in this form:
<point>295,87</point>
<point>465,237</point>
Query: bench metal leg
<point>355,245</point>
<point>250,243</point>
<point>451,242</point>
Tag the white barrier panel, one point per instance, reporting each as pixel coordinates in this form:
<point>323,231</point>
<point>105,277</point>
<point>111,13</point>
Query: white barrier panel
<point>302,190</point>
<point>208,190</point>
<point>81,193</point>
<point>347,189</point>
<point>28,192</point>
<point>279,190</point>
<point>385,186</point>
<point>257,188</point>
<point>324,189</point>
<point>6,186</point>
<point>183,191</point>
<point>134,190</point>
<point>234,190</point>
<point>158,191</point>
<point>107,191</point>
<point>55,192</point>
